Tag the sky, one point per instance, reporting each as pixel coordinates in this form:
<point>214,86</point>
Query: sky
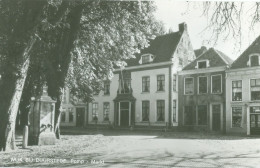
<point>171,13</point>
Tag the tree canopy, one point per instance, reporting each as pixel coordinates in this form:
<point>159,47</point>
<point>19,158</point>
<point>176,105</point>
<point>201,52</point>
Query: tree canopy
<point>52,41</point>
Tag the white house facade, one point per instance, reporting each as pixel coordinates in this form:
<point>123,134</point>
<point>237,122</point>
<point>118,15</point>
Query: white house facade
<point>145,92</point>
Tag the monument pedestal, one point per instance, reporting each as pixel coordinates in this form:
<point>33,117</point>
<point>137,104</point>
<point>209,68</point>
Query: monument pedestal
<point>41,117</point>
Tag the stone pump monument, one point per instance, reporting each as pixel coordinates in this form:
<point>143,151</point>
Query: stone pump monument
<point>41,118</point>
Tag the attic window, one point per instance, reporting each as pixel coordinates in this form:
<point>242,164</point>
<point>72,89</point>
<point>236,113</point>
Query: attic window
<point>254,60</point>
<point>146,58</point>
<point>202,64</point>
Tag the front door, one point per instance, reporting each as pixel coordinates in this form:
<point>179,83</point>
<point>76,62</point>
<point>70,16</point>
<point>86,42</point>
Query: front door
<point>80,112</point>
<point>255,124</point>
<point>216,117</point>
<point>124,114</point>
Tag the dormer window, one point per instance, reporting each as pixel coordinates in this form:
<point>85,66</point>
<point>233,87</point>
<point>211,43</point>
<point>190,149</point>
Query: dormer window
<point>202,64</point>
<point>254,60</point>
<point>146,58</point>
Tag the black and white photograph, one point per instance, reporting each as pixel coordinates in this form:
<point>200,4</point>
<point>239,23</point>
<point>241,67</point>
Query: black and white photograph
<point>130,83</point>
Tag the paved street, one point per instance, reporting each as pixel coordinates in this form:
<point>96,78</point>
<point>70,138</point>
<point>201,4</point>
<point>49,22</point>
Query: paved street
<point>139,149</point>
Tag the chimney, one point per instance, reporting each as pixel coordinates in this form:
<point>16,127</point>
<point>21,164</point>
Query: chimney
<point>203,49</point>
<point>182,26</point>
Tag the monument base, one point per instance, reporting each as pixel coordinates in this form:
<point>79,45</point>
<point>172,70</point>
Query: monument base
<point>47,138</point>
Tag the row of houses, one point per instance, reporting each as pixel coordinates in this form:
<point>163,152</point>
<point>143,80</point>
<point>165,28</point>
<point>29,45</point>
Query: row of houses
<point>170,84</point>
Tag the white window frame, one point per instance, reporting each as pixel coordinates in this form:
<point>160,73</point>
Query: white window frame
<point>220,83</point>
<point>199,84</point>
<point>185,86</point>
<point>241,89</point>
<point>205,60</point>
<point>157,83</point>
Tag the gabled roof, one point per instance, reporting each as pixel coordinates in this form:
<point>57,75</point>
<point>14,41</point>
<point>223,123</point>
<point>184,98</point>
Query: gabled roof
<point>241,61</point>
<point>216,59</point>
<point>162,47</point>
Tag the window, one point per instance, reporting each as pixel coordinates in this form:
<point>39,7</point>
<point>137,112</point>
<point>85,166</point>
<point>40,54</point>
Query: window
<point>202,64</point>
<point>71,115</point>
<point>145,59</point>
<point>160,83</point>
<point>236,116</point>
<point>107,88</point>
<point>95,111</point>
<point>237,90</point>
<point>63,116</point>
<point>188,115</point>
<point>106,111</point>
<point>174,82</point>
<point>174,111</point>
<point>160,110</point>
<point>255,89</point>
<point>189,86</point>
<point>255,109</point>
<point>202,114</point>
<point>146,84</point>
<point>203,85</point>
<point>216,84</point>
<point>145,110</point>
<point>254,60</point>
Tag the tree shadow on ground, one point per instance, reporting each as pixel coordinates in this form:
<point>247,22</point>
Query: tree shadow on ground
<point>156,134</point>
<point>155,160</point>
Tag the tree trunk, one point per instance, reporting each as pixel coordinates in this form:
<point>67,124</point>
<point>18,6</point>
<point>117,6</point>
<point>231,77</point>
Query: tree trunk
<point>58,70</point>
<point>58,110</point>
<point>7,133</point>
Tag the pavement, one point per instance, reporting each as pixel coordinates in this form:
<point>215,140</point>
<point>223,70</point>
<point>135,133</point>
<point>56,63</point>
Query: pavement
<point>80,147</point>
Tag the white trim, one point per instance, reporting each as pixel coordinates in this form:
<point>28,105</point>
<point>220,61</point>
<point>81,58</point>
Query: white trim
<point>145,66</point>
<point>220,83</point>
<point>185,85</point>
<point>199,86</point>
<point>203,60</point>
<point>203,70</point>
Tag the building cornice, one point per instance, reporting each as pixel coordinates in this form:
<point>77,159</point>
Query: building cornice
<point>145,66</point>
<point>204,70</point>
<point>257,68</point>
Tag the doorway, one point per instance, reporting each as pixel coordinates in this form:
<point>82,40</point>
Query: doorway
<point>124,114</point>
<point>80,113</point>
<point>216,117</point>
